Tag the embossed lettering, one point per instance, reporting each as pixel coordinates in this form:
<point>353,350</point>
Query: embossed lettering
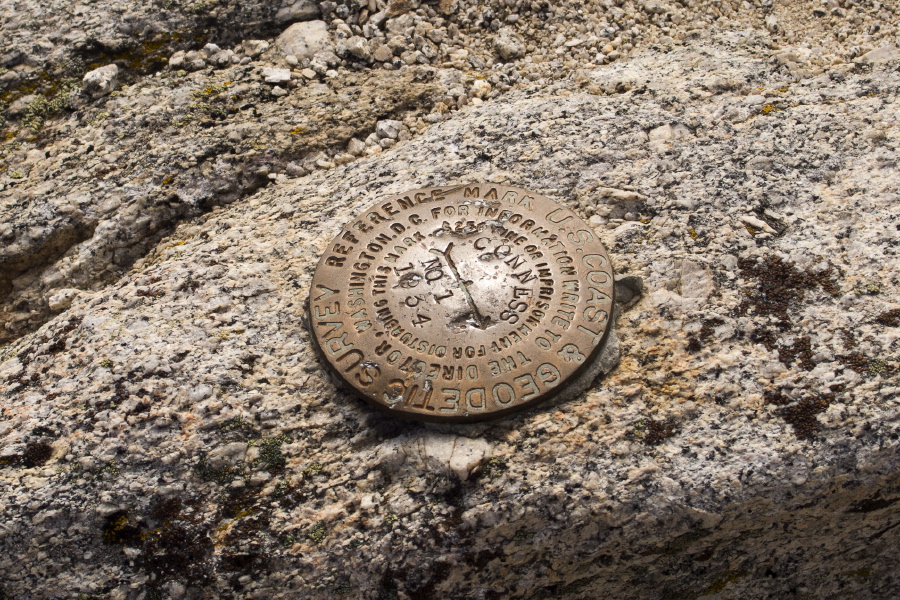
<point>503,394</point>
<point>475,399</point>
<point>451,400</point>
<point>528,385</point>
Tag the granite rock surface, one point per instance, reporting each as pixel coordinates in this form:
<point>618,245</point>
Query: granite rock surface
<point>233,92</point>
<point>168,431</point>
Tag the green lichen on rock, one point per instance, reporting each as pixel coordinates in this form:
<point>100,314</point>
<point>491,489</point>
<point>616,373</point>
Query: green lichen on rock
<point>47,106</point>
<point>53,85</point>
<point>237,423</point>
<point>271,458</point>
<point>118,529</point>
<point>205,111</point>
<point>652,431</point>
<point>96,118</point>
<point>343,587</point>
<point>523,536</point>
<point>859,573</point>
<point>871,367</point>
<point>313,469</point>
<point>493,467</point>
<point>221,475</point>
<point>150,54</point>
<point>723,580</point>
<point>211,90</point>
<point>198,7</point>
<point>318,532</point>
<point>878,367</point>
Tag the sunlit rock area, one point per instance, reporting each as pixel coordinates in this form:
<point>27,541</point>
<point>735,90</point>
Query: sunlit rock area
<point>171,172</point>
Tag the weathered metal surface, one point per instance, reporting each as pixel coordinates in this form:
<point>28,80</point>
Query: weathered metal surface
<point>462,303</point>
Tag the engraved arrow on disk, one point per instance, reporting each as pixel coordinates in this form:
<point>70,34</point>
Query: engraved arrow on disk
<point>480,321</point>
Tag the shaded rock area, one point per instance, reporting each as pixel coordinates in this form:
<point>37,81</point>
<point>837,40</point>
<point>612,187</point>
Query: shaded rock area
<point>167,431</point>
<point>51,39</point>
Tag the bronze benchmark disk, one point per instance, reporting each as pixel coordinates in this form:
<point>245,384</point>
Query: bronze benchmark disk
<point>462,303</point>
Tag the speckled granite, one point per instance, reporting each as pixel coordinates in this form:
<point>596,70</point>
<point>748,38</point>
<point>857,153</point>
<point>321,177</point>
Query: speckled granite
<point>173,435</point>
